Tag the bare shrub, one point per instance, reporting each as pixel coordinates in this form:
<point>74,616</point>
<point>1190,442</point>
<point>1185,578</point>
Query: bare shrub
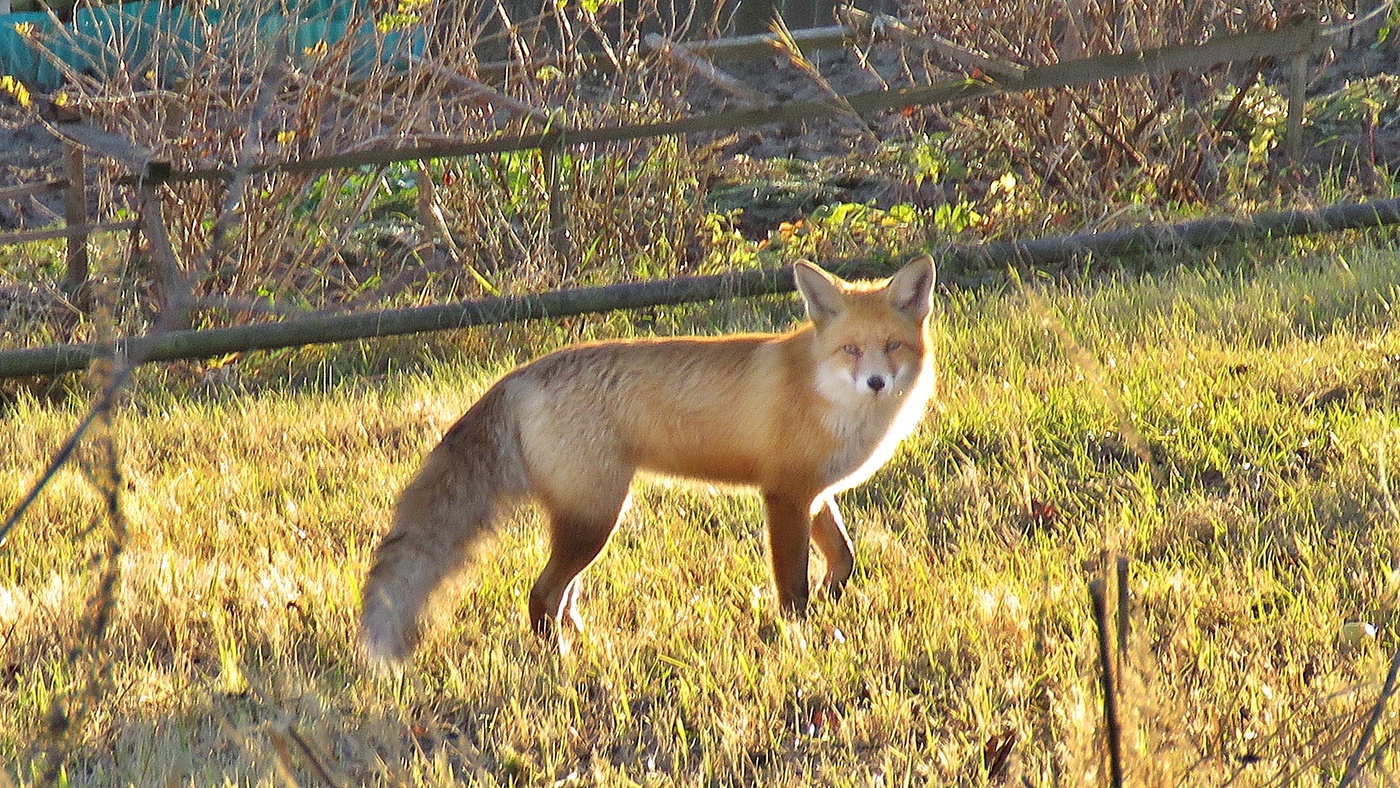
<point>1151,138</point>
<point>406,231</point>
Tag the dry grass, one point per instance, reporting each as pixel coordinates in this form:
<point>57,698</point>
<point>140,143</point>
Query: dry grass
<point>1267,400</point>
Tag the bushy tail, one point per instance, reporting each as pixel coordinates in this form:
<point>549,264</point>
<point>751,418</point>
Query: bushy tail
<point>447,510</point>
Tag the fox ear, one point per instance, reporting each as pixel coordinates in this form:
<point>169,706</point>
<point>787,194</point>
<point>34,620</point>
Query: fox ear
<point>820,291</point>
<point>911,290</point>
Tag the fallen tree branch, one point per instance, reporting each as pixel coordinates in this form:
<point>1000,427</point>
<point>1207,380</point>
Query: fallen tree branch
<point>66,231</point>
<point>392,322</point>
<point>740,284</point>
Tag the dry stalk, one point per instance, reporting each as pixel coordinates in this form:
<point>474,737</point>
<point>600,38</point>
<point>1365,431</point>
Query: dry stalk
<point>96,430</point>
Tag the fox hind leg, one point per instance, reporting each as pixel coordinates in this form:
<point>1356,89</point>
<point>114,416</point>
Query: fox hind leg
<point>829,535</point>
<point>575,541</point>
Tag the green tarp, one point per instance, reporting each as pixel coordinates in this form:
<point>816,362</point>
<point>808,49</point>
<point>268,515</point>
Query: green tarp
<point>164,43</point>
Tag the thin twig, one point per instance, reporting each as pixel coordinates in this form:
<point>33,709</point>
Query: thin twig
<point>1353,769</point>
<point>1121,566</point>
<point>304,748</point>
<point>61,721</point>
<point>1113,728</point>
<point>788,46</point>
<point>707,70</point>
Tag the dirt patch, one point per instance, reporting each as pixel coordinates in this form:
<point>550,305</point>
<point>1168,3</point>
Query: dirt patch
<point>29,153</point>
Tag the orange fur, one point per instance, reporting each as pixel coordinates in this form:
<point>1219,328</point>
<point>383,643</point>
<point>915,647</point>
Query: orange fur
<point>800,416</point>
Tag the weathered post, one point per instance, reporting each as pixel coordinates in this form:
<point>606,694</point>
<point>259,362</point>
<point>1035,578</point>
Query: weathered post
<point>75,215</point>
<point>554,171</point>
<point>1297,88</point>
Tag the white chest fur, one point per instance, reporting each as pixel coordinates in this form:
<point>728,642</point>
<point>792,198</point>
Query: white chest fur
<point>868,429</point>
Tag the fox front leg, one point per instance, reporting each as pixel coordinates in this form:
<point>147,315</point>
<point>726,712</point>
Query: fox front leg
<point>789,530</point>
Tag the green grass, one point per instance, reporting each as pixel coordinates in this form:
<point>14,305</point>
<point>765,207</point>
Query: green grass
<point>1258,526</point>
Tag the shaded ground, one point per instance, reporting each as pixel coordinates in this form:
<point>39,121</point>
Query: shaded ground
<point>1359,126</point>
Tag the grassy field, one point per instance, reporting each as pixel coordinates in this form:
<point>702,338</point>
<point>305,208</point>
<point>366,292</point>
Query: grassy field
<point>1255,510</point>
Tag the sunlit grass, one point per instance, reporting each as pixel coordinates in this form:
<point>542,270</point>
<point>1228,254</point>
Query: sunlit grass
<point>1258,527</point>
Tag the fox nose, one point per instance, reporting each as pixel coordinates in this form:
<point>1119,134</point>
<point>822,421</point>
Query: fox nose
<point>875,382</point>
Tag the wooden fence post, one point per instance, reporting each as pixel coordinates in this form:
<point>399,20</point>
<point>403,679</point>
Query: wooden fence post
<point>1297,88</point>
<point>173,297</point>
<point>559,238</point>
<point>76,217</point>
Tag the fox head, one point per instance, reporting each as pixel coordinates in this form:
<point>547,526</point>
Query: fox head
<point>871,338</point>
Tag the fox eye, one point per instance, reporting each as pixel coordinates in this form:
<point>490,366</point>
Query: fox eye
<point>851,350</point>
<point>893,345</point>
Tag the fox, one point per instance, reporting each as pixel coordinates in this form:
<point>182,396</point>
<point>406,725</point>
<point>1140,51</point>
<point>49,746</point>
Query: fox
<point>801,416</point>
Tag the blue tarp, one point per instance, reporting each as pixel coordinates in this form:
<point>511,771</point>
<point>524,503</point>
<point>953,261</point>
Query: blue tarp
<point>168,41</point>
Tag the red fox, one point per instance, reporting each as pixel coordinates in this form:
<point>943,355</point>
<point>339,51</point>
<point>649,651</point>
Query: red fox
<point>801,416</point>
